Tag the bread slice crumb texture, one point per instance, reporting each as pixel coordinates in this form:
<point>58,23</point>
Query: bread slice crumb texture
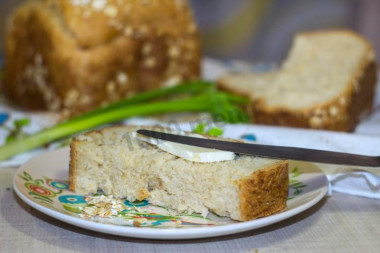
<point>326,82</point>
<point>125,167</point>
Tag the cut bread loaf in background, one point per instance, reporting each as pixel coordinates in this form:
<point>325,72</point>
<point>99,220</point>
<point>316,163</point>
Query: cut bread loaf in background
<point>115,161</point>
<point>326,82</point>
<point>78,55</point>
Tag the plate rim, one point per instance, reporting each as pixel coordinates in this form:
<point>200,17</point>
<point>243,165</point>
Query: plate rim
<point>163,233</point>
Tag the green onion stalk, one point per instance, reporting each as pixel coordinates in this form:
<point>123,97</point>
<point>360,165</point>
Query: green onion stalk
<point>201,97</point>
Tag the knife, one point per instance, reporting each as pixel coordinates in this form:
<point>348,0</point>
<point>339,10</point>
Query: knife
<point>279,152</point>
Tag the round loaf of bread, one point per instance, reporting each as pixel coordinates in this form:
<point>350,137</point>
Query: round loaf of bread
<point>81,54</point>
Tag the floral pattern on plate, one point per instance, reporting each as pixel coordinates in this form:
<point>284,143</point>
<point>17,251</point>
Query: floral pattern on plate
<point>55,194</point>
<point>42,183</point>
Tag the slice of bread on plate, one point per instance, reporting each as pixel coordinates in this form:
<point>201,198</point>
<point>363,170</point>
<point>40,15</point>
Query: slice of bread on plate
<point>117,162</point>
<point>326,82</point>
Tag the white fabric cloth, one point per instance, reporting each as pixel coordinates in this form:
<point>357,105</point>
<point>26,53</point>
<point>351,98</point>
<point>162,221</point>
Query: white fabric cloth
<point>357,183</point>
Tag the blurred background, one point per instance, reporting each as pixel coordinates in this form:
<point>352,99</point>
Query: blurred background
<point>262,30</point>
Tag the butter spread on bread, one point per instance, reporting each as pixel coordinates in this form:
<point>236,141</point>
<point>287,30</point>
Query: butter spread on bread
<point>189,152</point>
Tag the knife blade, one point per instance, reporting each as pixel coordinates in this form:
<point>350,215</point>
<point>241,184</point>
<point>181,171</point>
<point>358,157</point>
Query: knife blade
<point>270,151</point>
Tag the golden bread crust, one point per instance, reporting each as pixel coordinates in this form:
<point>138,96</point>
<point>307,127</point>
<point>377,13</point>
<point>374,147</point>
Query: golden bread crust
<point>340,114</point>
<point>265,192</point>
<point>72,165</point>
<point>64,56</point>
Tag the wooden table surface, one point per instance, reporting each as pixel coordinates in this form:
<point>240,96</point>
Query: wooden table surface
<point>339,223</point>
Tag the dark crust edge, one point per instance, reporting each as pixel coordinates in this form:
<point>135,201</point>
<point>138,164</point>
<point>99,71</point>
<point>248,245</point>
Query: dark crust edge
<point>358,100</point>
<point>72,164</point>
<point>264,192</point>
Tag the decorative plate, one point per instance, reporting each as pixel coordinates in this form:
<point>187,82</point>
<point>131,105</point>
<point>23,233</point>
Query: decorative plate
<point>43,184</point>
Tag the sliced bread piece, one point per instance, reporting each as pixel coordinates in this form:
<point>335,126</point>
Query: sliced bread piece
<point>115,161</point>
<point>326,82</point>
